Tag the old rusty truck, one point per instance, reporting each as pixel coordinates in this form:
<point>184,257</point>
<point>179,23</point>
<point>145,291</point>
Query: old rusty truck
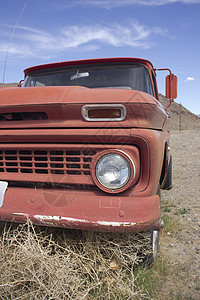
<point>85,145</point>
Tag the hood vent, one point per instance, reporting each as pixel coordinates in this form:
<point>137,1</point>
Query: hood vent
<point>22,116</point>
<point>104,112</point>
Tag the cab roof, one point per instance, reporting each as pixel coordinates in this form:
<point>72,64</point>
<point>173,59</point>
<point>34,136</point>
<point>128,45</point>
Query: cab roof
<point>57,65</point>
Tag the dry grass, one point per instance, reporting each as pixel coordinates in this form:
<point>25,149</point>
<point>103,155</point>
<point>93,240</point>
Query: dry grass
<point>49,263</point>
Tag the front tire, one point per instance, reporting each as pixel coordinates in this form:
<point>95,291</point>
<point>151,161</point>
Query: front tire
<point>168,181</point>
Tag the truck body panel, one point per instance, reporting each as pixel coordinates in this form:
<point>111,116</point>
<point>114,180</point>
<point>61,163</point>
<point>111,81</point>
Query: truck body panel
<point>84,157</point>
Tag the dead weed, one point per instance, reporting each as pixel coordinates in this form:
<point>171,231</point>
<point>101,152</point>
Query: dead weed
<point>50,263</point>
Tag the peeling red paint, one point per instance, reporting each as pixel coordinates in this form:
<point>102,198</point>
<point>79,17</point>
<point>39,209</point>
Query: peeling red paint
<point>50,151</point>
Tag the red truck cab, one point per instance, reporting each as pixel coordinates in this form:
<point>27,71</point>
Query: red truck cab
<point>85,144</point>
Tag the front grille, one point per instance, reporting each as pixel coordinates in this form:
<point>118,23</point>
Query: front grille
<point>48,162</point>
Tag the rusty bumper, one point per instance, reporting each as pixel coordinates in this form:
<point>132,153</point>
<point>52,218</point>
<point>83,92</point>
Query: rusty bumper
<point>80,209</point>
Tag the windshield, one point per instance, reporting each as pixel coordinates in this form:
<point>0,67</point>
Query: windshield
<point>133,77</point>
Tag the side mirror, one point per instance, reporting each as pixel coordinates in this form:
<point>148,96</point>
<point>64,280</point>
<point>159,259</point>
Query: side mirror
<point>171,86</point>
<point>20,83</point>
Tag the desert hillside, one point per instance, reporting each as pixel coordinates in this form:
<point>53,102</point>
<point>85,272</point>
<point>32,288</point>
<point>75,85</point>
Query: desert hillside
<point>188,121</point>
<point>8,84</point>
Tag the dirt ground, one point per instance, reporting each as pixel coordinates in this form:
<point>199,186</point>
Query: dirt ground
<point>182,204</point>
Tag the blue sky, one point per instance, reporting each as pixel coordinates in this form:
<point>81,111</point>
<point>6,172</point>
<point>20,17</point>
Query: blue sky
<point>166,32</point>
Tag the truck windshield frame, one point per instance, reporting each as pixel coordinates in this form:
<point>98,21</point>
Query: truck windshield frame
<point>119,76</point>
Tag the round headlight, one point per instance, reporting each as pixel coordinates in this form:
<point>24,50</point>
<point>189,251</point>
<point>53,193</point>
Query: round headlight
<point>113,171</point>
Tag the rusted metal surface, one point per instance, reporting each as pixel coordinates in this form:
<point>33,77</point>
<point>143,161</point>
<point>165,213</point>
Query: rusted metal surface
<point>63,107</point>
<point>49,154</point>
<point>80,209</point>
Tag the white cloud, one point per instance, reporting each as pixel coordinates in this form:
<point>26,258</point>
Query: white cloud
<point>190,78</point>
<point>117,3</point>
<point>19,50</point>
<point>31,42</point>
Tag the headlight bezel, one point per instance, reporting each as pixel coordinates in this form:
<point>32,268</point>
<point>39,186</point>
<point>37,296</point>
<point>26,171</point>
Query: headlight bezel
<point>133,173</point>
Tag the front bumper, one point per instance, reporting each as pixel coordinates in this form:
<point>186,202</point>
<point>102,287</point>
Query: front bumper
<point>80,209</point>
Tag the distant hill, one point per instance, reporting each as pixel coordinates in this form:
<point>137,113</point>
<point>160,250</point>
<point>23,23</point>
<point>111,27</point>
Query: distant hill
<point>189,120</point>
<point>9,84</point>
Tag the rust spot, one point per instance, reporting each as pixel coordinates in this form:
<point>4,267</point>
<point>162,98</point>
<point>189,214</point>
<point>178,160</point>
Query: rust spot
<point>121,214</point>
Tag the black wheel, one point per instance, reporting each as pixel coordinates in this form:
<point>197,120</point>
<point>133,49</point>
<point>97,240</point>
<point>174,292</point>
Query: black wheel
<point>168,181</point>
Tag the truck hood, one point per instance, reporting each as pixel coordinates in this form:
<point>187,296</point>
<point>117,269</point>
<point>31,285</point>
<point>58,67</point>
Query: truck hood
<point>60,106</point>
